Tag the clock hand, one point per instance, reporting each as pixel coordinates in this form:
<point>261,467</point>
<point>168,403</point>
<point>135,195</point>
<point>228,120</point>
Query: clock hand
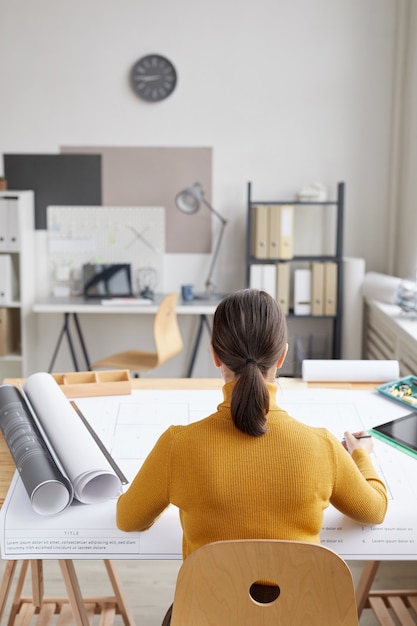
<point>149,78</point>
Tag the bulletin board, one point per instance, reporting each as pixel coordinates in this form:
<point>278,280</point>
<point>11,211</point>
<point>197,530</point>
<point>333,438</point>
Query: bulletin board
<point>87,234</point>
<point>153,176</point>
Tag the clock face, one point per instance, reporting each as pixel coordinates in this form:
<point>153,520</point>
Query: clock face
<point>153,78</point>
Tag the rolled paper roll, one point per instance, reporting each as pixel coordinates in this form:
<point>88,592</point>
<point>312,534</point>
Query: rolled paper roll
<point>349,370</point>
<point>380,287</point>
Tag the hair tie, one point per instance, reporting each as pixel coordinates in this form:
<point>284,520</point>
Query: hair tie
<point>250,359</point>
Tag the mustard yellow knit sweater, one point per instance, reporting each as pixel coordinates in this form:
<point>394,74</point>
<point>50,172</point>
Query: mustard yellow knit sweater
<point>229,485</point>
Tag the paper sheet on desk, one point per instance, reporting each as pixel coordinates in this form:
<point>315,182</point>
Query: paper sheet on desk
<point>128,423</point>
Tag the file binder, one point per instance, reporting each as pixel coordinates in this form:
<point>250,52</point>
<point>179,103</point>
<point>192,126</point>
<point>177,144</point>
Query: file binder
<point>274,231</point>
<point>264,277</point>
<point>9,225</point>
<point>8,281</point>
<point>283,287</point>
<point>286,232</point>
<point>9,330</point>
<point>317,287</point>
<point>330,288</point>
<point>260,229</point>
<point>302,292</point>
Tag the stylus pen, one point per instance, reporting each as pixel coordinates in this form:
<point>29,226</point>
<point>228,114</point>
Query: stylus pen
<point>361,437</point>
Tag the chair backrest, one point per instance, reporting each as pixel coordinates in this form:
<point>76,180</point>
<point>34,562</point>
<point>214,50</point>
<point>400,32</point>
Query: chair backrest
<point>313,584</point>
<point>167,336</point>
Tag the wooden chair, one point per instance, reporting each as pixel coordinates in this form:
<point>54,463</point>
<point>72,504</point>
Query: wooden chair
<point>167,339</point>
<point>313,586</point>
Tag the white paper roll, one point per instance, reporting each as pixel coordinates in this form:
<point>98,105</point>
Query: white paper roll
<point>380,287</point>
<point>353,277</point>
<point>328,370</point>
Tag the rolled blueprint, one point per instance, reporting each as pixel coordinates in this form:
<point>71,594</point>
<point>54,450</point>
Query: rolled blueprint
<point>380,287</point>
<point>345,370</point>
<point>55,453</point>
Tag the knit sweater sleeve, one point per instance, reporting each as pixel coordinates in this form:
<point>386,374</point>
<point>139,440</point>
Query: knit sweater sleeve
<point>147,496</point>
<point>360,495</point>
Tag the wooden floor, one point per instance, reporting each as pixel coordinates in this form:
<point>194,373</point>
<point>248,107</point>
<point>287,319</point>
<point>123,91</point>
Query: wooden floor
<point>149,585</point>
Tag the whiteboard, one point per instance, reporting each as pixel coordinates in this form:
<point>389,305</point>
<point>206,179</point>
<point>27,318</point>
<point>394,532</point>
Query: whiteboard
<point>98,234</point>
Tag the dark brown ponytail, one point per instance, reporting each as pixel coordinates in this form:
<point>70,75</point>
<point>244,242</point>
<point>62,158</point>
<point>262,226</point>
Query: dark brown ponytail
<point>249,335</point>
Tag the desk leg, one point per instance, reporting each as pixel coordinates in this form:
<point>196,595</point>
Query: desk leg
<point>65,330</point>
<point>365,583</point>
<point>203,321</point>
<point>36,568</point>
<point>82,342</point>
<point>119,594</point>
<point>74,593</point>
<point>6,584</point>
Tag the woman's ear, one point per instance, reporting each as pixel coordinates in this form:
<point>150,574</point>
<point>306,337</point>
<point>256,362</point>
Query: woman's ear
<point>216,359</point>
<point>281,359</point>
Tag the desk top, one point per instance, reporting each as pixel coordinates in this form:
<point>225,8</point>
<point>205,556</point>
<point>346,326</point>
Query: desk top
<point>84,532</point>
<point>7,464</point>
<point>79,304</point>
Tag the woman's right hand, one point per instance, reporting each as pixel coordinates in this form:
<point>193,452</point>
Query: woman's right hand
<point>352,442</point>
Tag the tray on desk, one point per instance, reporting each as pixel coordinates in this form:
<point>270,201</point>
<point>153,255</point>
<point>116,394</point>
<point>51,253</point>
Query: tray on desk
<point>403,391</point>
<point>87,384</point>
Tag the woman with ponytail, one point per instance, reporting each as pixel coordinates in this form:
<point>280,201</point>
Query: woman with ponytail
<point>250,470</point>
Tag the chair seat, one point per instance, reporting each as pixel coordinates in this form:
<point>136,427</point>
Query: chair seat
<point>134,360</point>
<point>167,339</point>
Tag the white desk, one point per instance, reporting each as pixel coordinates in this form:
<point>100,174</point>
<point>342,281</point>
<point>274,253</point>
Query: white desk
<point>72,307</point>
<point>124,425</point>
<point>89,532</point>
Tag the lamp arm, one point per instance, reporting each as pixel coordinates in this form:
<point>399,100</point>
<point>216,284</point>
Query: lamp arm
<point>210,208</point>
<point>209,284</point>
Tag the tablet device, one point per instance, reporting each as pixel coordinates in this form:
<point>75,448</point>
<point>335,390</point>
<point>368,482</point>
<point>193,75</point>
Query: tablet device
<point>401,433</point>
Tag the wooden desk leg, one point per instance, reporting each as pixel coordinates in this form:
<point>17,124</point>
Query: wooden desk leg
<point>119,594</point>
<point>18,592</point>
<point>36,568</point>
<point>74,592</point>
<point>6,583</point>
<point>365,583</point>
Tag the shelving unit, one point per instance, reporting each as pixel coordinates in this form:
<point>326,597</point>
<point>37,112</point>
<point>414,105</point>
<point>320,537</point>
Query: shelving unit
<point>321,222</point>
<point>17,283</point>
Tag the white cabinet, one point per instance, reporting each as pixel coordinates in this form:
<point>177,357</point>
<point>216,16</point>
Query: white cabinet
<point>17,283</point>
<point>390,334</point>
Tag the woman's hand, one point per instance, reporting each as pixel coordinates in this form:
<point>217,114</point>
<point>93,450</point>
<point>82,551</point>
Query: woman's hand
<point>361,439</point>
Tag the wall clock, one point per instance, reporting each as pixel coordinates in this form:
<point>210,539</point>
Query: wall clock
<point>153,78</point>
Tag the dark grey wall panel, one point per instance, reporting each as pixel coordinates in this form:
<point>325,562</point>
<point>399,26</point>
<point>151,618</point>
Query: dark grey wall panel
<point>56,179</point>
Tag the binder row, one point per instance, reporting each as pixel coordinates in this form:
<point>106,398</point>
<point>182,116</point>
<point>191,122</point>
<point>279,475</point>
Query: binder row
<point>314,288</point>
<point>272,231</point>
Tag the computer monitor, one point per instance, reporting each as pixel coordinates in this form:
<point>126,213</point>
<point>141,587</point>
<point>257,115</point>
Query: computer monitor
<point>112,280</point>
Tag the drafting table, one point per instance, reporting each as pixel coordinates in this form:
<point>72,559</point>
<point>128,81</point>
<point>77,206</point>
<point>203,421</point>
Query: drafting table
<point>75,306</point>
<point>90,531</point>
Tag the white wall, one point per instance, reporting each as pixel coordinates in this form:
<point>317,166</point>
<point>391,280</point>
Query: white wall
<point>286,92</point>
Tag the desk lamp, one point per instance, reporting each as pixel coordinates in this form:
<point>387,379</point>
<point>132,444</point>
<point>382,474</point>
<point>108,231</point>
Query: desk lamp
<point>189,201</point>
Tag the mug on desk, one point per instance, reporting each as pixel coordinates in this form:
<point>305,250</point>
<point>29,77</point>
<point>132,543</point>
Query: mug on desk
<point>187,293</point>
